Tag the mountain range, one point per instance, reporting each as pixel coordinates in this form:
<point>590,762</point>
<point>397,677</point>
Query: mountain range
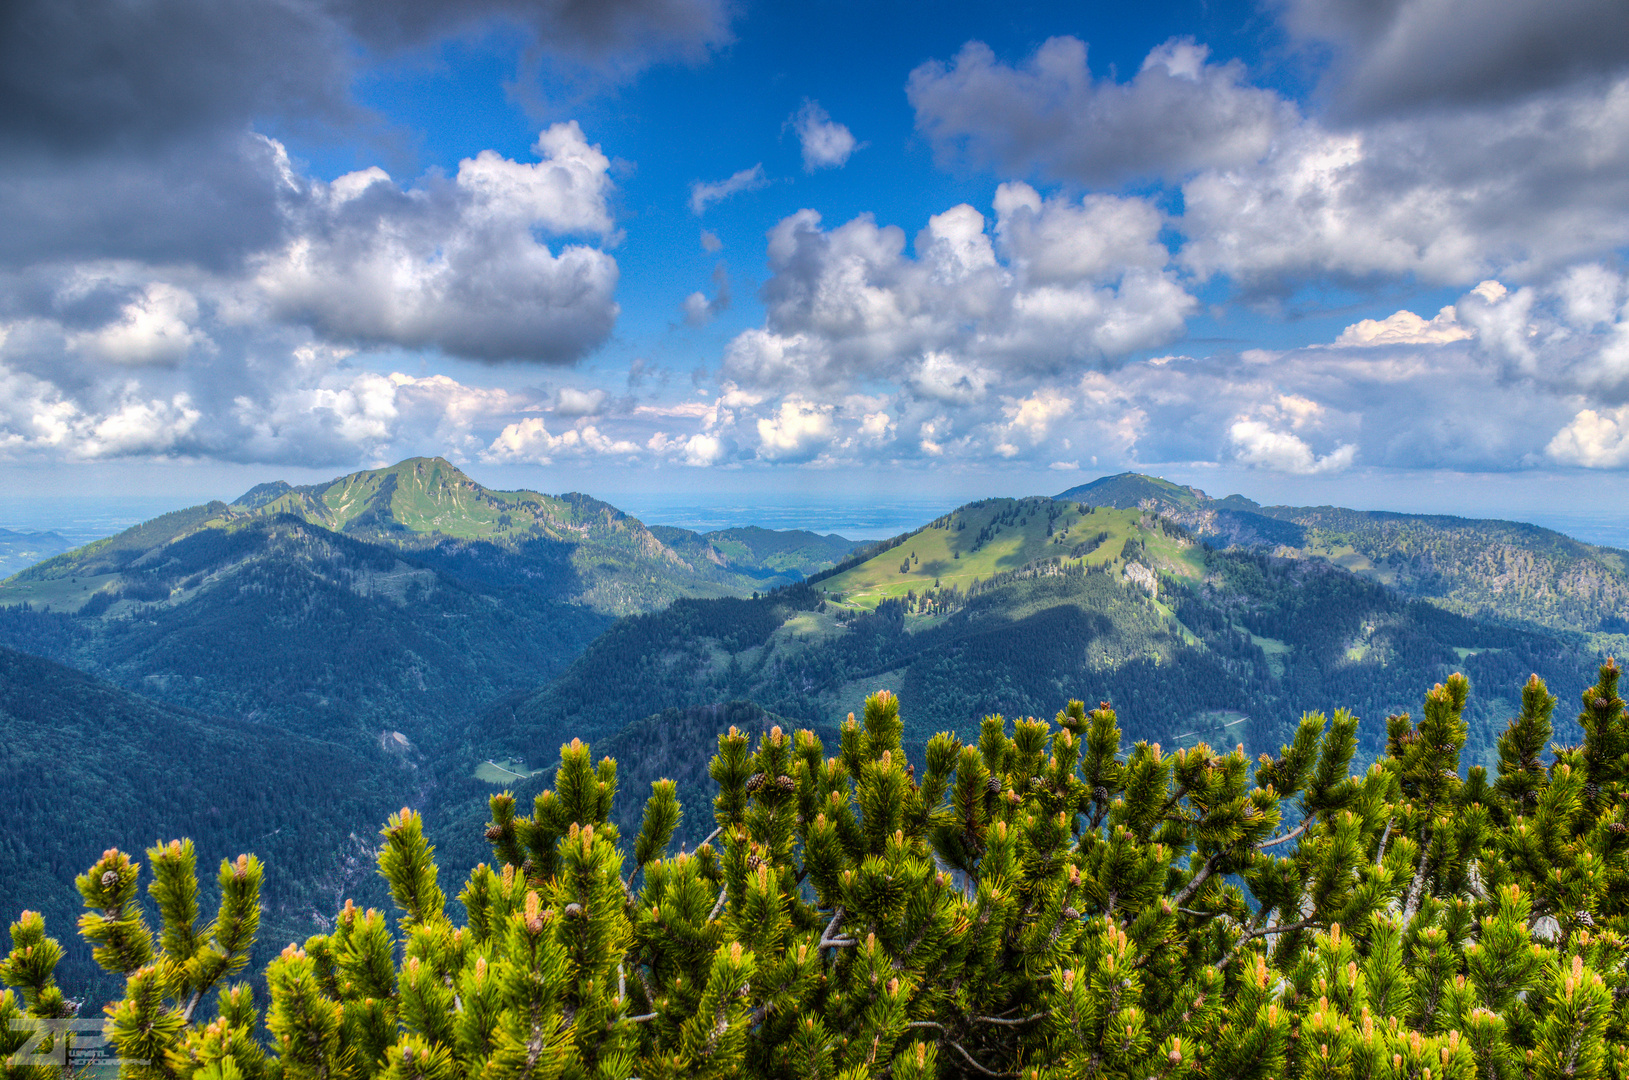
<point>409,636</point>
<point>1503,570</point>
<point>20,550</point>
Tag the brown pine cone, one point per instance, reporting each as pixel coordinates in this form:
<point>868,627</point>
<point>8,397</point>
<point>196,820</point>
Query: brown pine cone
<point>494,832</point>
<point>110,878</point>
<point>786,783</point>
<point>755,782</point>
<point>994,784</point>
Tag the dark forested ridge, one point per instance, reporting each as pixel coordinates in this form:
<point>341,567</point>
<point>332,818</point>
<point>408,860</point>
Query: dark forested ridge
<point>85,765</point>
<point>279,621</point>
<point>401,599</point>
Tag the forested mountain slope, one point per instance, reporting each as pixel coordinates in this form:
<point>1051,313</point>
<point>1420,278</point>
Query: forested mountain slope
<point>85,765</point>
<point>1503,570</point>
<point>272,619</point>
<point>1013,606</point>
<point>393,600</point>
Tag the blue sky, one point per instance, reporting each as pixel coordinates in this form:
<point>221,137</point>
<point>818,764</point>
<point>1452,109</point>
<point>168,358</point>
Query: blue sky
<point>1311,250</point>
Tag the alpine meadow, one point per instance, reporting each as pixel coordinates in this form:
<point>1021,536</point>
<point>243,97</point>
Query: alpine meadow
<point>729,540</point>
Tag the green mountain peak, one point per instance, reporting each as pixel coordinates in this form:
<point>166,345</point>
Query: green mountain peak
<point>1129,491</point>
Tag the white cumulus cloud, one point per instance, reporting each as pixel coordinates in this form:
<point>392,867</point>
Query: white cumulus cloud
<point>1406,328</point>
<point>158,327</point>
<point>530,441</point>
<point>1060,284</point>
<point>1255,443</point>
<point>797,430</point>
<point>826,144</point>
<point>455,265</point>
<point>1594,439</point>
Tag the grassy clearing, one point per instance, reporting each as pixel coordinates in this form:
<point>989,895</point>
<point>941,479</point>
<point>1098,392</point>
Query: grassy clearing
<point>996,536</point>
<point>58,594</point>
<point>1462,652</point>
<point>501,772</point>
<point>1214,727</point>
<point>850,697</point>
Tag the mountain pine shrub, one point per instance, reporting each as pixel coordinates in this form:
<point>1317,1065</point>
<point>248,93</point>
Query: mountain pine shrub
<point>1041,903</point>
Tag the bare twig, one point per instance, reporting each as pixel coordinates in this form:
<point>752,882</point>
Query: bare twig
<point>1385,838</point>
<point>828,940</point>
<point>723,898</point>
<point>1199,879</point>
<point>1287,837</point>
<point>1012,1022</point>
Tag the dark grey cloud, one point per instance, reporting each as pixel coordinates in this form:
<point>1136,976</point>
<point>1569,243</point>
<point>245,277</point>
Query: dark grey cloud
<point>87,76</point>
<point>206,201</point>
<point>1050,116</point>
<point>126,128</point>
<point>623,35</point>
<point>82,76</point>
<point>1402,55</point>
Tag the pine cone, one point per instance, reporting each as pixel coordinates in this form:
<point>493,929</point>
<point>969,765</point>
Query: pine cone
<point>1036,783</point>
<point>494,832</point>
<point>1583,918</point>
<point>1070,913</point>
<point>1591,790</point>
<point>786,783</point>
<point>1445,748</point>
<point>1618,828</point>
<point>110,878</point>
<point>755,782</point>
<point>573,911</point>
<point>754,862</point>
<point>1101,794</point>
<point>994,785</point>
